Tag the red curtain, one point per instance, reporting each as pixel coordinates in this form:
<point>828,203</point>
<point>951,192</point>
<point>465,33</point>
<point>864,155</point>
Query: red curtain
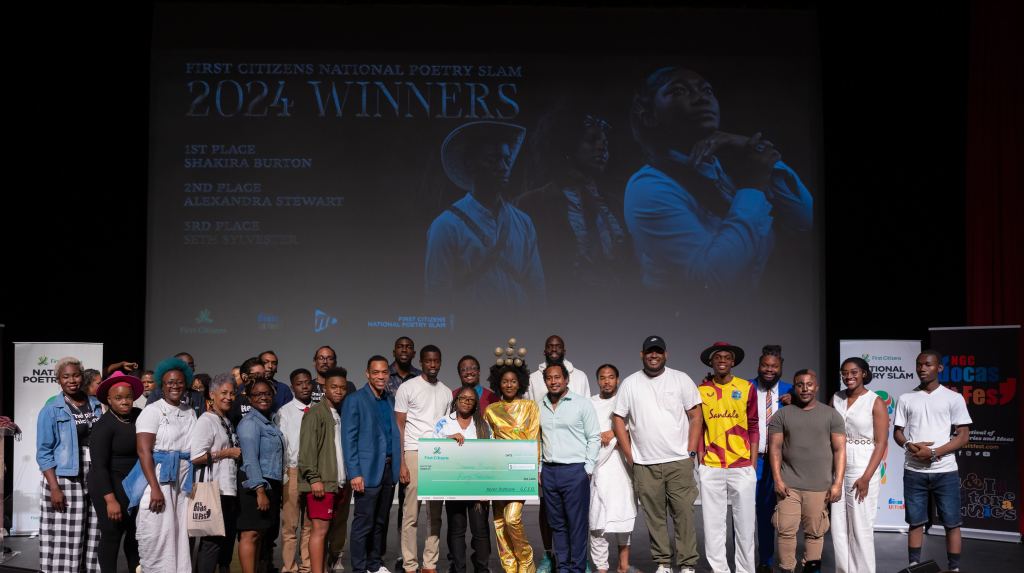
<point>994,207</point>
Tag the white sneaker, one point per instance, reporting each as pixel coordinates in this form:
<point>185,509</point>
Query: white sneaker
<point>665,569</point>
<point>687,570</point>
<point>382,569</point>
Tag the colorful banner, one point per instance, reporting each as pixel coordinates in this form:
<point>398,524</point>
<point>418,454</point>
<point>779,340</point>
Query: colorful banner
<point>478,469</point>
<point>34,384</point>
<point>983,365</point>
<point>892,365</point>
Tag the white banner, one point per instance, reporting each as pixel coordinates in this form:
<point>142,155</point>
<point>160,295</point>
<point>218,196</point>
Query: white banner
<point>34,384</point>
<point>893,366</point>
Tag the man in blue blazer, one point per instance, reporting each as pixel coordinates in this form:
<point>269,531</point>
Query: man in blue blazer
<point>370,439</point>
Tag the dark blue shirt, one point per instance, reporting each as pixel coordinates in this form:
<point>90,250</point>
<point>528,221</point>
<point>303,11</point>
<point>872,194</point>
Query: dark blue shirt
<point>395,379</point>
<point>386,416</point>
<point>282,395</point>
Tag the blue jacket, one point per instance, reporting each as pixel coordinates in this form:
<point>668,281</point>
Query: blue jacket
<point>363,438</point>
<point>57,438</point>
<point>262,450</point>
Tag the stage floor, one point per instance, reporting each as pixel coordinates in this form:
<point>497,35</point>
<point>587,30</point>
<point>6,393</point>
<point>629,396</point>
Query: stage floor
<point>891,551</point>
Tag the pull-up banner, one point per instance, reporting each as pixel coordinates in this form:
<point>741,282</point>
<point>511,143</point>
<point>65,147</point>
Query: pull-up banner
<point>983,365</point>
<point>34,384</point>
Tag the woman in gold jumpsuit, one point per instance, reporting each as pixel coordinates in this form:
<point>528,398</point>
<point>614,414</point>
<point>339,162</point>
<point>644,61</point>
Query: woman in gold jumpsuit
<point>512,418</point>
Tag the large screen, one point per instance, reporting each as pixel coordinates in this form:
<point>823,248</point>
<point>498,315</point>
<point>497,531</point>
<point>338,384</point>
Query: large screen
<point>350,194</point>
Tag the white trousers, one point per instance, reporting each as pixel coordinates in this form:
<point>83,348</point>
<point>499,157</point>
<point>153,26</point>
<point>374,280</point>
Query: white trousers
<point>720,488</point>
<point>163,537</point>
<point>853,527</point>
<point>599,546</point>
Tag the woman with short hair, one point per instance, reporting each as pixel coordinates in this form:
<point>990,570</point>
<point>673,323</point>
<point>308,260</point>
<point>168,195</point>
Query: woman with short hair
<point>215,451</point>
<point>260,477</point>
<point>68,527</point>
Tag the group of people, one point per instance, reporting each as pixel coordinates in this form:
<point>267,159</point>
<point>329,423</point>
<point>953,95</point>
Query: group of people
<point>115,475</point>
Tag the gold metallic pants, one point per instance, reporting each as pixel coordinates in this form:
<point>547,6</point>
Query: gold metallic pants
<point>514,549</point>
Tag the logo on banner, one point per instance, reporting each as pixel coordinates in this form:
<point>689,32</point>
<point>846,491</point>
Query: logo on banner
<point>980,384</point>
<point>887,400</point>
<point>884,478</point>
<point>204,322</point>
<point>897,504</point>
<point>267,321</point>
<point>322,321</point>
<point>42,375</point>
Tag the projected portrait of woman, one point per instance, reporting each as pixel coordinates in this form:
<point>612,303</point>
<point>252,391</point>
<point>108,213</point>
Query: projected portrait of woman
<point>705,209</point>
<point>580,231</point>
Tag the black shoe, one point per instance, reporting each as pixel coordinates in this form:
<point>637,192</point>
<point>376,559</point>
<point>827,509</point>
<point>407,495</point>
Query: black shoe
<point>812,566</point>
<point>762,568</point>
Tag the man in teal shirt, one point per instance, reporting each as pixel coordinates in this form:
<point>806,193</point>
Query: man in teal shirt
<point>571,438</point>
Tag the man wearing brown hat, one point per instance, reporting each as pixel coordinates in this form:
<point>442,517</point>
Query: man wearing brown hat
<point>726,471</point>
<point>482,250</point>
<point>660,405</point>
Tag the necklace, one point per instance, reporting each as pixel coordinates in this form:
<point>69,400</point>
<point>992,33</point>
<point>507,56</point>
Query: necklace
<point>120,419</point>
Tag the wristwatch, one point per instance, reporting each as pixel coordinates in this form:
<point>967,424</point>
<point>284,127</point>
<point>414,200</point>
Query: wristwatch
<point>935,458</point>
<point>693,454</point>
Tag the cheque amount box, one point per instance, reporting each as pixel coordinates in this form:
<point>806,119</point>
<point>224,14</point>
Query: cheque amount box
<point>477,470</point>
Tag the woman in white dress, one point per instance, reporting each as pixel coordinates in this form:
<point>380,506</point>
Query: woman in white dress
<point>867,431</point>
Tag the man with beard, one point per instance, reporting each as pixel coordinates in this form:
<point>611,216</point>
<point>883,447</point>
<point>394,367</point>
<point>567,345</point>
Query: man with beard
<point>772,394</point>
<point>554,354</point>
<point>612,503</point>
<point>807,440</point>
<point>419,403</point>
<point>481,250</point>
<point>661,405</point>
<point>283,392</point>
<point>402,369</point>
<point>324,359</point>
<point>469,376</point>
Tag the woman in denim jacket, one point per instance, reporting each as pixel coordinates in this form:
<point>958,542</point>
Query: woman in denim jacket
<point>68,528</point>
<point>259,479</point>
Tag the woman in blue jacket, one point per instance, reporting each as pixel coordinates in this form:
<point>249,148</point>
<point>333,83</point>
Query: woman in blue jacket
<point>68,528</point>
<point>259,479</point>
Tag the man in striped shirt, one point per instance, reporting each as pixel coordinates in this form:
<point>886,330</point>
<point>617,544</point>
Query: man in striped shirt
<point>727,475</point>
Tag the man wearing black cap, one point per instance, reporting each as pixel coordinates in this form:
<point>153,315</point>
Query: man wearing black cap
<point>659,405</point>
<point>727,476</point>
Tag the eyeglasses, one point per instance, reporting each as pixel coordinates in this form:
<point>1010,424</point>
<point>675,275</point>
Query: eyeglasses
<point>467,400</point>
<point>325,358</point>
<point>262,395</point>
<point>593,121</point>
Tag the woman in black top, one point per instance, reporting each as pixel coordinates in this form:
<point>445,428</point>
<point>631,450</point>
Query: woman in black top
<point>112,444</point>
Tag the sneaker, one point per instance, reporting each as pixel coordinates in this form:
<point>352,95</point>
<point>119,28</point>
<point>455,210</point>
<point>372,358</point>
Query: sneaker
<point>545,565</point>
<point>667,569</point>
<point>382,569</point>
<point>687,570</point>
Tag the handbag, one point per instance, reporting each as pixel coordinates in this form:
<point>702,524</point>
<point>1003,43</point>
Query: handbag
<point>205,514</point>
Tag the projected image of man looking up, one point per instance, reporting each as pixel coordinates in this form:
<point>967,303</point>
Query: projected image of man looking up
<point>702,211</point>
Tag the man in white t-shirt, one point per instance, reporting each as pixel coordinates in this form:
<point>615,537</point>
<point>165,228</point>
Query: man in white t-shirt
<point>419,402</point>
<point>554,353</point>
<point>923,422</point>
<point>289,420</point>
<point>661,408</point>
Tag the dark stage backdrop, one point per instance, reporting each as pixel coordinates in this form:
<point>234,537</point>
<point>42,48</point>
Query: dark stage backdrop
<point>304,163</point>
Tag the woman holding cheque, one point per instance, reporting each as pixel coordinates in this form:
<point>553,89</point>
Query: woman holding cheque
<point>465,423</point>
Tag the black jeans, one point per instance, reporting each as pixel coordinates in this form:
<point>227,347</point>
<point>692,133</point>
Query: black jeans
<point>215,551</point>
<point>475,512</point>
<point>111,534</point>
<point>370,524</point>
